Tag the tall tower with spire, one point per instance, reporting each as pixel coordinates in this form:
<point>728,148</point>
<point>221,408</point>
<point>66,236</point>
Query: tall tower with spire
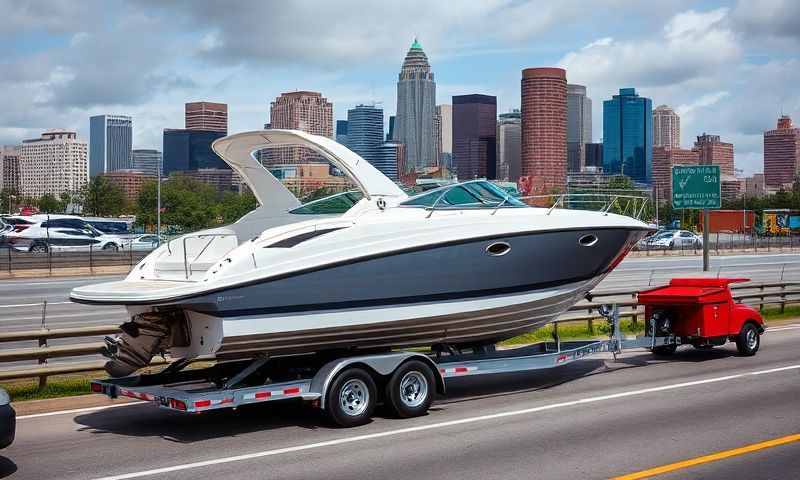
<point>416,107</point>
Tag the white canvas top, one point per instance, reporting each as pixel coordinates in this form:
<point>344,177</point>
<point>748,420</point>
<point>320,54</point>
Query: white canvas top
<point>238,152</point>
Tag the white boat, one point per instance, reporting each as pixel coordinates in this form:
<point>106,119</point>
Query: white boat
<point>369,269</point>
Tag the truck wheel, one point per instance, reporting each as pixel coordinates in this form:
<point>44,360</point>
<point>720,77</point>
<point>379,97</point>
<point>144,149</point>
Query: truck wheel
<point>748,340</point>
<point>665,350</point>
<point>409,392</point>
<point>351,398</point>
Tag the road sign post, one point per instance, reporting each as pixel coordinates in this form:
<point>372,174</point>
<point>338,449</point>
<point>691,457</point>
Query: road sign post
<point>697,186</point>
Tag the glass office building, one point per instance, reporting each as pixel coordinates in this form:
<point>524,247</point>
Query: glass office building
<point>110,143</point>
<point>628,136</point>
<point>365,131</point>
<point>190,150</point>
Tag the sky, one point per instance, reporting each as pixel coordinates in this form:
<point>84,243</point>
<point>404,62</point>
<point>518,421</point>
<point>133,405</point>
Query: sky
<point>728,68</point>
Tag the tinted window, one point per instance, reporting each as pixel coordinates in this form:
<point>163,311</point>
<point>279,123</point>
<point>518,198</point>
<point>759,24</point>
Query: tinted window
<point>334,204</point>
<point>470,194</point>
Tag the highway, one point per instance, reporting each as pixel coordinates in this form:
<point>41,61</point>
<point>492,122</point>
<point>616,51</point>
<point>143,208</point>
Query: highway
<point>21,300</point>
<point>591,419</point>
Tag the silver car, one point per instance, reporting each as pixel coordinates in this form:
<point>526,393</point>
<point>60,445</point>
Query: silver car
<point>673,239</point>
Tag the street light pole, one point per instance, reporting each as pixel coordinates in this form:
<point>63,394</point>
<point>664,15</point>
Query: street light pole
<point>158,206</point>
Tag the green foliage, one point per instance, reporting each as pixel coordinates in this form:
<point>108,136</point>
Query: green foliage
<point>102,198</point>
<point>621,182</point>
<point>50,204</point>
<point>234,206</point>
<point>185,202</point>
<point>6,202</point>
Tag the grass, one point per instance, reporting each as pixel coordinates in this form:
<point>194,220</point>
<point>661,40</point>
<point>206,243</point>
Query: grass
<point>78,384</point>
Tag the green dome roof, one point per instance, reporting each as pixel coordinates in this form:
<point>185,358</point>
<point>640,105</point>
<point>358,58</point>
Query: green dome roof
<point>416,45</point>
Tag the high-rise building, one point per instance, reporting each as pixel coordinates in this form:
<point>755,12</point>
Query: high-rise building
<point>9,168</point>
<point>446,114</point>
<point>130,182</point>
<point>475,136</point>
<point>666,127</point>
<point>579,126</point>
<point>544,130</point>
<point>416,106</point>
<point>594,156</point>
<point>390,133</point>
<point>190,150</point>
<point>664,158</point>
<point>437,136</point>
<point>222,179</point>
<point>782,153</point>
<point>628,135</point>
<point>207,116</point>
<point>365,131</point>
<point>712,151</point>
<point>388,159</point>
<point>149,162</point>
<point>341,132</point>
<point>110,143</point>
<point>54,163</point>
<point>509,145</point>
<point>309,112</point>
<point>755,186</point>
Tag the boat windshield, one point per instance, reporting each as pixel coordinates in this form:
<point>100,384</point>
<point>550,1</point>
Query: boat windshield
<point>337,203</point>
<point>475,194</point>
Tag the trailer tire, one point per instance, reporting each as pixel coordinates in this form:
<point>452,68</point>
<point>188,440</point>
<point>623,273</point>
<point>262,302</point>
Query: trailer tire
<point>410,390</point>
<point>351,398</point>
<point>748,340</point>
<point>665,350</point>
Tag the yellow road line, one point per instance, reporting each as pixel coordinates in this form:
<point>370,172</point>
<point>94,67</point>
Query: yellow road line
<point>651,472</point>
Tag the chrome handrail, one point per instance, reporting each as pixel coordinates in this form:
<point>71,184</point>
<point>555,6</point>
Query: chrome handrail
<point>186,265</point>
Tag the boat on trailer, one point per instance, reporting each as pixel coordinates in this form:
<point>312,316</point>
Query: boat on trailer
<point>365,270</point>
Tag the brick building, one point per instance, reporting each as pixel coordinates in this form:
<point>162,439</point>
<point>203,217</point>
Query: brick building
<point>781,153</point>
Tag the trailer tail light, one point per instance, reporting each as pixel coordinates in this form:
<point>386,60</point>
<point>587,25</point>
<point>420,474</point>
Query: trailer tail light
<point>177,404</point>
<point>202,403</point>
<point>97,388</point>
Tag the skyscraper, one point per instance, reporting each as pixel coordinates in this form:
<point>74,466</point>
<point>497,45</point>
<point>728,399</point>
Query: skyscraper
<point>9,168</point>
<point>579,126</point>
<point>594,156</point>
<point>628,135</point>
<point>110,142</point>
<point>782,153</point>
<point>365,131</point>
<point>207,116</point>
<point>186,150</point>
<point>666,127</point>
<point>475,136</point>
<point>711,151</point>
<point>544,130</point>
<point>54,163</point>
<point>390,133</point>
<point>509,144</point>
<point>303,110</point>
<point>388,158</point>
<point>445,138</point>
<point>341,132</point>
<point>147,161</point>
<point>416,103</point>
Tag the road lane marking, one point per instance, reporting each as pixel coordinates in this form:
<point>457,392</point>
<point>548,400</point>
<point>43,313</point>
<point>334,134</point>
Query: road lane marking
<point>652,472</point>
<point>787,327</point>
<point>433,426</point>
<point>18,305</point>
<point>79,410</point>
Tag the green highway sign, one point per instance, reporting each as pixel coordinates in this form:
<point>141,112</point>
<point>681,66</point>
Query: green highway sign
<point>696,186</point>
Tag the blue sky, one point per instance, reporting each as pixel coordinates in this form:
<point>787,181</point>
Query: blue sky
<point>729,68</point>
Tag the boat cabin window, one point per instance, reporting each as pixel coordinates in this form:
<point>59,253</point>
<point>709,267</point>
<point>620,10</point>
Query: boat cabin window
<point>300,238</point>
<point>478,194</point>
<point>331,205</point>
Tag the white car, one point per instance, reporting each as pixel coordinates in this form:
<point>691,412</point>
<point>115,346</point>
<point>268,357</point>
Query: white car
<point>670,239</point>
<point>59,233</point>
<point>144,243</point>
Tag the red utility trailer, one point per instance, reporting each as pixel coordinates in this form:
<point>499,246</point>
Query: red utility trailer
<point>702,312</point>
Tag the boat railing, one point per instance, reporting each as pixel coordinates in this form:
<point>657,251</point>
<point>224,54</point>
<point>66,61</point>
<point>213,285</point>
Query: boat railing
<point>187,261</point>
<point>631,205</point>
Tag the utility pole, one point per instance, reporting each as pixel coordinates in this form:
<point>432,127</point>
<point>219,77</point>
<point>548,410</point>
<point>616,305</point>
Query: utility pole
<point>705,240</point>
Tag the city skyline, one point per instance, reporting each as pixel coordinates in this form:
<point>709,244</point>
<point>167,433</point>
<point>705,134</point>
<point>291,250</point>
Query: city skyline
<point>735,87</point>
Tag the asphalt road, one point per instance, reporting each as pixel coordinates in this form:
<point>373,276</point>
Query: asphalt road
<point>21,300</point>
<point>590,419</point>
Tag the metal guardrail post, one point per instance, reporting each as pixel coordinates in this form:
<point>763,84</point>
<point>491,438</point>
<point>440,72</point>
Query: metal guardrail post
<point>761,305</point>
<point>783,295</point>
<point>91,262</point>
<point>43,343</point>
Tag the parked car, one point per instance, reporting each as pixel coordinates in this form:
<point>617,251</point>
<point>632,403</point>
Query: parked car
<point>670,239</point>
<point>19,223</point>
<point>8,420</point>
<point>61,233</point>
<point>144,243</point>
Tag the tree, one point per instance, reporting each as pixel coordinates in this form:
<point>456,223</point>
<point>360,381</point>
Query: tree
<point>48,203</point>
<point>102,198</point>
<point>185,202</point>
<point>234,206</point>
<point>8,199</point>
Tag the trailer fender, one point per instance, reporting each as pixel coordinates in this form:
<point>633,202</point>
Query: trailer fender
<point>382,364</point>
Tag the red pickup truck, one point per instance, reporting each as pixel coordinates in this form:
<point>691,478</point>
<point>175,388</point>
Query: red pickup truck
<point>702,312</point>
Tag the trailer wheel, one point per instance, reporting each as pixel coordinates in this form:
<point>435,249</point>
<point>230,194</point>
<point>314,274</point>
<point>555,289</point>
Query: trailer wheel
<point>351,398</point>
<point>665,350</point>
<point>748,340</point>
<point>409,393</point>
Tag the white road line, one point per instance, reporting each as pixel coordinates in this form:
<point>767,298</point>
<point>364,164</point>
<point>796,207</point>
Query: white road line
<point>18,305</point>
<point>787,327</point>
<point>433,426</point>
<point>79,410</point>
<point>64,315</point>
